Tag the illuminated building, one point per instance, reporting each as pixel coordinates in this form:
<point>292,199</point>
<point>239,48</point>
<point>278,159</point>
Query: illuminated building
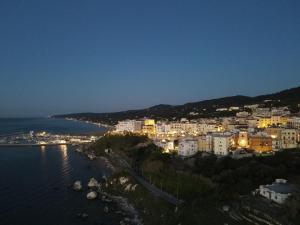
<point>177,128</point>
<point>276,144</point>
<point>230,127</point>
<point>289,138</point>
<point>293,122</point>
<point>264,122</point>
<point>234,108</point>
<point>187,147</point>
<point>251,106</point>
<point>149,122</point>
<point>205,143</point>
<point>252,123</point>
<point>278,120</point>
<point>129,126</point>
<point>275,134</point>
<point>280,111</point>
<point>221,109</point>
<point>222,143</point>
<point>260,142</point>
<point>283,120</point>
<point>242,114</point>
<point>283,138</point>
<point>167,145</point>
<point>262,112</point>
<point>204,128</point>
<point>162,129</point>
<point>243,139</point>
<point>190,128</point>
<point>149,127</point>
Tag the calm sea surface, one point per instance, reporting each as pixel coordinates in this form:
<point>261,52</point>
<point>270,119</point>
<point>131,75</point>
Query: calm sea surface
<point>34,181</point>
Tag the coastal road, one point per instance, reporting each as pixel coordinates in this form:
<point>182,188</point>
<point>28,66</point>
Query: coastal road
<point>153,189</point>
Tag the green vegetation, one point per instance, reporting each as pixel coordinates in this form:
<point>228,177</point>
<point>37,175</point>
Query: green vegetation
<point>154,210</point>
<point>158,168</point>
<point>122,143</point>
<point>292,207</point>
<point>205,183</point>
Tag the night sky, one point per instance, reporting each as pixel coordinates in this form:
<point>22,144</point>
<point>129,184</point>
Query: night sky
<point>60,56</point>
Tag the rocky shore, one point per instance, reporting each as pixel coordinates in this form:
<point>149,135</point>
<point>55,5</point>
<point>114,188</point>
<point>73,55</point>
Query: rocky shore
<point>113,204</point>
<point>102,190</point>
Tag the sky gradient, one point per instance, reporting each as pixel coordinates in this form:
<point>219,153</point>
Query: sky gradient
<point>64,56</point>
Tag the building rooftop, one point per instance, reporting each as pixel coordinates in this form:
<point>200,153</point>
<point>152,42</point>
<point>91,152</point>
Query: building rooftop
<point>222,134</point>
<point>282,188</point>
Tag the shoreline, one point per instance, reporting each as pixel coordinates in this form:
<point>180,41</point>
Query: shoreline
<point>106,195</point>
<point>109,127</point>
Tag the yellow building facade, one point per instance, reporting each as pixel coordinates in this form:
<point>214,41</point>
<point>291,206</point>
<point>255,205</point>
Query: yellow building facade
<point>149,127</point>
<point>279,120</point>
<point>264,122</point>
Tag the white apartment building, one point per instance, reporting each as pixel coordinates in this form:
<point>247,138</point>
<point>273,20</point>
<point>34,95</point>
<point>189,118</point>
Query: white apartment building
<point>252,123</point>
<point>163,128</point>
<point>190,128</point>
<point>289,138</point>
<point>177,128</point>
<point>129,126</point>
<point>242,114</point>
<point>167,145</point>
<point>280,111</point>
<point>294,122</point>
<point>264,112</point>
<point>204,128</point>
<point>277,192</point>
<point>276,144</point>
<point>221,109</point>
<point>205,143</point>
<point>222,143</point>
<point>251,106</point>
<point>187,147</point>
<point>234,108</point>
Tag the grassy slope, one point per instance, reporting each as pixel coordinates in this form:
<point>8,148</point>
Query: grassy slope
<point>194,189</point>
<point>204,184</point>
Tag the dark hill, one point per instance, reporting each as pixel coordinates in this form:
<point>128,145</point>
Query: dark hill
<point>206,108</point>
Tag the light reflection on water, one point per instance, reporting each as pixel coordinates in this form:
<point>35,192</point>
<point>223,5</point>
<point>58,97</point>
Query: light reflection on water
<point>65,162</point>
<point>64,150</point>
<point>64,158</point>
<point>34,184</point>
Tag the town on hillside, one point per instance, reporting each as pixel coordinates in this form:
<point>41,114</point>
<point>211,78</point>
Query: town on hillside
<point>254,130</point>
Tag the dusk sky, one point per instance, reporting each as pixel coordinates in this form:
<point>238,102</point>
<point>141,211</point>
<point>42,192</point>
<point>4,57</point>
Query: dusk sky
<point>102,56</point>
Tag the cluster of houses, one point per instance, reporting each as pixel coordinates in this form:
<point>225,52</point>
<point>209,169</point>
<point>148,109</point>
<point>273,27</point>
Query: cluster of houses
<point>253,129</point>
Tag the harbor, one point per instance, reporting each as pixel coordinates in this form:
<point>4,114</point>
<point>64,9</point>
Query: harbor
<point>44,139</point>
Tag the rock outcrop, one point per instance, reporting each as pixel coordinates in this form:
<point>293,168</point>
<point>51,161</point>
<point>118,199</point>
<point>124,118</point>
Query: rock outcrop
<point>77,186</point>
<point>92,195</point>
<point>93,183</point>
